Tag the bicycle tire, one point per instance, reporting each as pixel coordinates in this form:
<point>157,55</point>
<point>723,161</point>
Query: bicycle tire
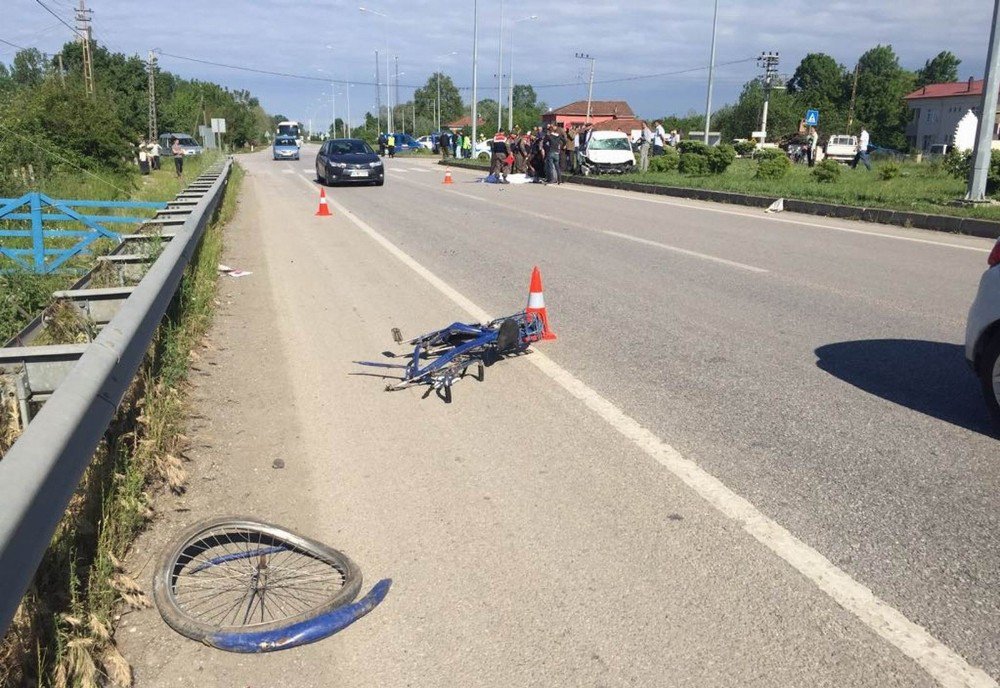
<point>211,606</point>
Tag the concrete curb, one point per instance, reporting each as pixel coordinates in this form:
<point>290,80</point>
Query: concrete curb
<point>952,224</point>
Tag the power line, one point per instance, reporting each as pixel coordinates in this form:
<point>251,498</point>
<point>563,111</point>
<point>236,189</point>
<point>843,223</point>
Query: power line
<point>307,77</point>
<point>61,20</point>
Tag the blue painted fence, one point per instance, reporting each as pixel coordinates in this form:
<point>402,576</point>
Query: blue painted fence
<point>42,212</point>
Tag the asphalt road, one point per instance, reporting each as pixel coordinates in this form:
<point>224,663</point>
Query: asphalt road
<point>747,423</point>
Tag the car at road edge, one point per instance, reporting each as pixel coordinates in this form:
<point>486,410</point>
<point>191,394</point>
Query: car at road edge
<point>982,334</point>
<point>285,148</point>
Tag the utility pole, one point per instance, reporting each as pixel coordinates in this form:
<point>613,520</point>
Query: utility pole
<point>152,96</point>
<point>475,69</point>
<point>854,95</point>
<point>500,72</point>
<point>378,96</point>
<point>769,63</point>
<point>396,60</point>
<point>982,154</point>
<point>590,91</point>
<point>83,32</point>
<point>62,71</point>
<point>711,73</point>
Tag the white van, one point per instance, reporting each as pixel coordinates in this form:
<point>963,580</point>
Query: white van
<point>608,152</point>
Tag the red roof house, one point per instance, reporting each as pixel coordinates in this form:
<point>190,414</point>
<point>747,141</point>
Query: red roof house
<point>601,112</point>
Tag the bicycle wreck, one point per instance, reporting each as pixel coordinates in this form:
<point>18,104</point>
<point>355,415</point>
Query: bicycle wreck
<point>443,357</point>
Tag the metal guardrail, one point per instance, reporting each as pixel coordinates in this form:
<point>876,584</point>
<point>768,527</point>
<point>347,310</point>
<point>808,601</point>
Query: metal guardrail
<point>39,474</point>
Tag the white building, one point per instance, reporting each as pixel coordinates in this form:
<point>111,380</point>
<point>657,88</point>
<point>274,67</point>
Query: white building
<point>935,110</point>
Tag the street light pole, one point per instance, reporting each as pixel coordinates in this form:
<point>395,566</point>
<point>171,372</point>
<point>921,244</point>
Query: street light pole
<point>711,73</point>
<point>440,67</point>
<point>510,73</point>
<point>590,90</point>
<point>500,73</point>
<point>987,116</point>
<point>475,67</point>
<point>388,78</point>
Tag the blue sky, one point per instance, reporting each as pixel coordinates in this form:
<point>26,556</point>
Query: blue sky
<point>627,40</point>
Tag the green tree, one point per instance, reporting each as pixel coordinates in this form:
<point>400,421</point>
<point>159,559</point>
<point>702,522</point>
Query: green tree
<point>426,97</point>
<point>743,118</point>
<point>486,110</point>
<point>818,78</point>
<point>880,107</point>
<point>28,68</point>
<point>941,69</point>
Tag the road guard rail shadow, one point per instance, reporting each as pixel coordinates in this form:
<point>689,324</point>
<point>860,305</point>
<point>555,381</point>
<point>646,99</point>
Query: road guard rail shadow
<point>40,472</point>
<point>954,224</point>
<point>930,377</point>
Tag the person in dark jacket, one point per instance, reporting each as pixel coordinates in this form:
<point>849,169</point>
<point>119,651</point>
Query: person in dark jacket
<point>501,152</point>
<point>554,140</point>
<point>444,145</point>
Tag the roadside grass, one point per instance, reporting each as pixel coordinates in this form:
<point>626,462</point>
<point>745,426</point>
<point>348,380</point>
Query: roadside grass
<point>63,634</point>
<point>22,293</point>
<point>919,187</point>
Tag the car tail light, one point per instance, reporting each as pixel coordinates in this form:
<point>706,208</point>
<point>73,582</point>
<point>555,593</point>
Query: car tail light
<point>994,258</point>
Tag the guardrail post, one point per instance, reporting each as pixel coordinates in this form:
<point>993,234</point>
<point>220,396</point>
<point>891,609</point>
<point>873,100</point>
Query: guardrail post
<point>37,236</point>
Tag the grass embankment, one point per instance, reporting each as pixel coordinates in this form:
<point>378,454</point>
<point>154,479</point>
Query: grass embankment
<point>921,187</point>
<point>63,634</point>
<point>23,294</point>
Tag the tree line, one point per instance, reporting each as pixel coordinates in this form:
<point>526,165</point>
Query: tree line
<point>870,95</point>
<point>53,127</point>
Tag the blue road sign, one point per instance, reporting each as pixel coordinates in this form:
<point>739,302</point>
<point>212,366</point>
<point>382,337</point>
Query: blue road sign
<point>812,118</point>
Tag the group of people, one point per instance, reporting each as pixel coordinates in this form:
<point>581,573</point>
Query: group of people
<point>542,154</point>
<point>654,139</point>
<point>454,144</point>
<point>148,155</point>
<point>387,144</point>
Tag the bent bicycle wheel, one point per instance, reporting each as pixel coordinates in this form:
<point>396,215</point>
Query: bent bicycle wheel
<point>234,577</point>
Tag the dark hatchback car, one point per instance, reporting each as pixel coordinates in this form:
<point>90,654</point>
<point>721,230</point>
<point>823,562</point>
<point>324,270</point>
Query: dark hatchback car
<point>349,161</point>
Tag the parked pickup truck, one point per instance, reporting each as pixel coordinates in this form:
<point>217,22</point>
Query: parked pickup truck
<point>842,147</point>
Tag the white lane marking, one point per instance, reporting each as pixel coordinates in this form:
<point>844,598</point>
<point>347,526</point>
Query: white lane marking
<point>417,169</point>
<point>761,216</point>
<point>629,237</point>
<point>686,252</point>
<point>288,171</point>
<point>945,665</point>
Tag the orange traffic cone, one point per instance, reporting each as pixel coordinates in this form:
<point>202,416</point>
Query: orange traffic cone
<point>447,177</point>
<point>536,303</point>
<point>324,208</point>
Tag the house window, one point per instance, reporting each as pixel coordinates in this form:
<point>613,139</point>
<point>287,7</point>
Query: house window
<point>915,115</point>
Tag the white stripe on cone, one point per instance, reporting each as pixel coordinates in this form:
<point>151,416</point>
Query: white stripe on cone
<point>536,299</point>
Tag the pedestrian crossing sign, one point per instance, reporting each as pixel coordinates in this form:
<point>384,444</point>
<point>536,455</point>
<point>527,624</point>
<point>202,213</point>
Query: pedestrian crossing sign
<point>812,118</point>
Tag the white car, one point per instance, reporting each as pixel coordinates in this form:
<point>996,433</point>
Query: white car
<point>607,152</point>
<point>426,142</point>
<point>982,333</point>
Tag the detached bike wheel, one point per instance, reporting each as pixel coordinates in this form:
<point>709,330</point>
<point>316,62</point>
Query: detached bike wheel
<point>234,575</point>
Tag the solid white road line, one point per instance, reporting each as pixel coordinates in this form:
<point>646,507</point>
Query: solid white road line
<point>945,665</point>
<point>580,225</point>
<point>772,218</point>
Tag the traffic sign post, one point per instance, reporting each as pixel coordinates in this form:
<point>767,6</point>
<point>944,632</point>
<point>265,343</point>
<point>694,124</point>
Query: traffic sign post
<point>812,118</point>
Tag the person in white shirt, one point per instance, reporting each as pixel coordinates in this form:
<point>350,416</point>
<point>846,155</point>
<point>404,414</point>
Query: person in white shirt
<point>862,154</point>
<point>659,138</point>
<point>154,155</point>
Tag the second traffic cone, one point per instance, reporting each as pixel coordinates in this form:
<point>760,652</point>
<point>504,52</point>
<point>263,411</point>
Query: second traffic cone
<point>324,207</point>
<point>447,177</point>
<point>536,303</point>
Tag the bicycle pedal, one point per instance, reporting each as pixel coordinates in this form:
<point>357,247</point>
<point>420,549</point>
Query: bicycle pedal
<point>397,336</point>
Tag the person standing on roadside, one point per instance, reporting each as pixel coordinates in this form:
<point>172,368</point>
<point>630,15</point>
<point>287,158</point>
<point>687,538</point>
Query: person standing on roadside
<point>466,146</point>
<point>501,151</point>
<point>454,139</point>
<point>569,150</point>
<point>178,153</point>
<point>143,158</point>
<point>812,142</point>
<point>154,154</point>
<point>444,145</point>
<point>862,155</point>
<point>659,138</point>
<point>553,151</point>
<point>645,140</point>
<point>390,142</point>
<point>381,144</point>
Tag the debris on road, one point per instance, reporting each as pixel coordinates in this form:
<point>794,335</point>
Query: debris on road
<point>244,586</point>
<point>441,358</point>
<point>233,272</point>
<point>776,207</point>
